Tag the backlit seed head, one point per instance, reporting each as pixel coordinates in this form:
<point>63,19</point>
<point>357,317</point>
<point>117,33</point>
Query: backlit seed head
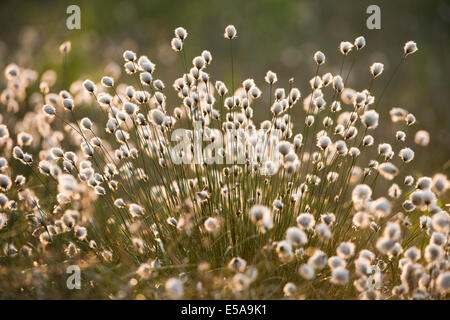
<point>107,82</point>
<point>406,154</point>
<point>176,44</point>
<point>409,48</point>
<point>319,58</point>
<point>376,69</point>
<point>370,119</point>
<point>296,236</point>
<point>174,289</point>
<point>65,47</point>
<point>181,33</point>
<point>271,77</point>
<point>345,47</point>
<point>422,138</point>
<point>230,32</point>
<point>129,55</point>
<point>360,43</point>
<point>89,86</point>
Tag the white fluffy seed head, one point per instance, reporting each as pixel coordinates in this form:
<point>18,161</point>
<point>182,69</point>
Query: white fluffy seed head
<point>86,123</point>
<point>345,47</point>
<point>271,77</point>
<point>422,138</point>
<point>376,69</point>
<point>406,154</point>
<point>107,82</point>
<point>319,58</point>
<point>296,236</point>
<point>360,43</point>
<point>230,32</point>
<point>181,33</point>
<point>409,48</point>
<point>89,86</point>
<point>129,55</point>
<point>370,119</point>
<point>176,44</point>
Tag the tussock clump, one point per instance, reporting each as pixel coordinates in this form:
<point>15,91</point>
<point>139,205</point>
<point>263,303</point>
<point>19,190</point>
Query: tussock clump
<point>192,198</point>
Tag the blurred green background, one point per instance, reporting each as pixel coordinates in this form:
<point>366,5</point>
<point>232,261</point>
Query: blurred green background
<point>277,35</point>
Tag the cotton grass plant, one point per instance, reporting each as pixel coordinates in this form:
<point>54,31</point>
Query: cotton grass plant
<point>191,198</point>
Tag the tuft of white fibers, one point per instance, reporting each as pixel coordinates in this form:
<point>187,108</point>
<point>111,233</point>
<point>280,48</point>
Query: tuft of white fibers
<point>345,47</point>
<point>400,135</point>
<point>441,222</point>
<point>107,81</point>
<point>440,183</point>
<point>385,245</point>
<point>409,48</point>
<point>438,238</point>
<point>398,114</point>
<point>207,56</point>
<point>410,119</point>
<point>5,182</point>
<point>181,33</point>
<point>422,138</point>
<point>80,232</point>
<point>271,77</point>
<point>240,282</point>
<point>129,55</point>
<point>176,44</point>
<point>433,253</point>
<point>230,32</point>
<point>307,272</point>
<point>424,183</point>
<point>237,264</point>
<point>48,109</point>
<point>443,283</point>
<point>289,289</point>
<point>318,260</point>
<point>394,191</point>
<point>376,69</point>
<point>86,123</point>
<point>68,104</point>
<point>360,195</point>
<point>360,42</point>
<point>135,210</point>
<point>157,116</point>
<point>212,225</point>
<point>406,154</point>
<point>346,250</point>
<point>370,119</point>
<point>65,47</point>
<point>338,84</point>
<point>259,213</point>
<point>316,83</point>
<point>306,221</point>
<point>323,232</point>
<point>284,251</point>
<point>368,141</point>
<point>340,276</point>
<point>144,271</point>
<point>319,57</point>
<point>336,262</point>
<point>409,180</point>
<point>146,78</point>
<point>89,86</point>
<point>284,147</point>
<point>296,236</point>
<point>392,231</point>
<point>323,142</point>
<point>388,170</point>
<point>412,254</point>
<point>174,289</point>
<point>380,208</point>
